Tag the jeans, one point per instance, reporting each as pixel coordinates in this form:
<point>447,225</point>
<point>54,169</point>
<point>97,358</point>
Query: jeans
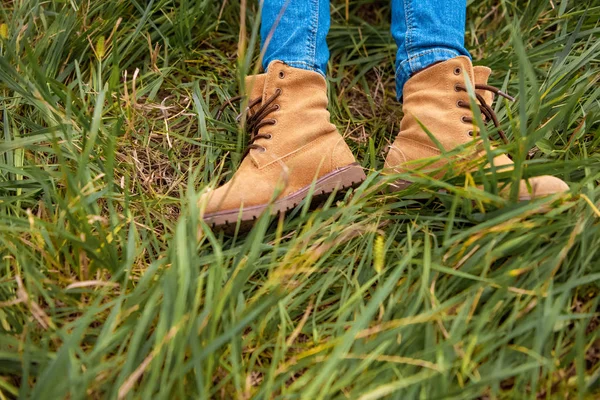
<point>426,32</point>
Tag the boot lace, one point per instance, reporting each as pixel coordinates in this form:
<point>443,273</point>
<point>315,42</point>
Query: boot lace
<point>486,109</point>
<point>254,119</point>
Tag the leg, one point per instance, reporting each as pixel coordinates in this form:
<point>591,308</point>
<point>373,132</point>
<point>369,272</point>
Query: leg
<point>295,31</point>
<point>293,144</point>
<point>433,73</point>
<point>426,32</point>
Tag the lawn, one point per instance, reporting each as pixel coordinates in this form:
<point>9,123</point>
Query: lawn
<point>112,287</point>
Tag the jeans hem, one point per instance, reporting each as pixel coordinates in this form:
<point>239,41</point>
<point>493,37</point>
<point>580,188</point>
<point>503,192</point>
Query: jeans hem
<point>418,62</point>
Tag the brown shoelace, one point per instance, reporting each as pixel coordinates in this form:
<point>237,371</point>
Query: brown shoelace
<point>485,108</point>
<point>255,120</point>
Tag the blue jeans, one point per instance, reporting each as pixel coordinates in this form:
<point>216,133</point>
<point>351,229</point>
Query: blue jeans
<point>426,32</point>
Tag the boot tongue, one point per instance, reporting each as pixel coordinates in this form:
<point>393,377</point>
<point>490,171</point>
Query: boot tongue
<point>482,75</point>
<point>254,85</point>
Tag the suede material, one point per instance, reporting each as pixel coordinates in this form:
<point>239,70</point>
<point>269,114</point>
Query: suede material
<point>302,116</point>
<point>254,85</point>
<point>304,145</point>
<point>541,186</point>
<point>538,186</point>
<point>482,74</point>
<point>430,97</point>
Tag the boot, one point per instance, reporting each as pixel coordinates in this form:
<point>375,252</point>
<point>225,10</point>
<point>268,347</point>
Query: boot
<point>293,148</point>
<point>437,97</point>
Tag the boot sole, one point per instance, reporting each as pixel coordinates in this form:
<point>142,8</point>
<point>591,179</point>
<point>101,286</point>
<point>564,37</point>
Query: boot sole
<point>401,184</point>
<point>398,185</point>
<point>339,180</point>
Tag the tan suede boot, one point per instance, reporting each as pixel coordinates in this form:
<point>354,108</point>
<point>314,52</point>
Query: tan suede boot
<point>437,97</point>
<point>294,147</point>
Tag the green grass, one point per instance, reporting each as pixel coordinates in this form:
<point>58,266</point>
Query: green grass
<point>109,135</point>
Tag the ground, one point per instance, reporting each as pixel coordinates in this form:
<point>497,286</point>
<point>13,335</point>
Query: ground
<point>111,287</point>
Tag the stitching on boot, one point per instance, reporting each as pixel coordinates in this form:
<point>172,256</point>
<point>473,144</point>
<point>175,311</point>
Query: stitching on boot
<point>311,39</point>
<point>408,15</point>
<point>394,150</point>
<point>339,142</point>
<point>418,144</point>
<point>292,154</point>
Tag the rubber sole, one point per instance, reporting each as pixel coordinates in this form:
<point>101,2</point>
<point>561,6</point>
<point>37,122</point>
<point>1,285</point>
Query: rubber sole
<point>339,180</point>
<point>398,185</point>
<point>401,184</point>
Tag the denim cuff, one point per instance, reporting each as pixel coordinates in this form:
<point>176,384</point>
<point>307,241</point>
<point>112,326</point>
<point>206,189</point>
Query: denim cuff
<point>418,62</point>
<point>303,65</point>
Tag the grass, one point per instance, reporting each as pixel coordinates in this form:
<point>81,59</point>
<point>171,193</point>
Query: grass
<point>109,136</point>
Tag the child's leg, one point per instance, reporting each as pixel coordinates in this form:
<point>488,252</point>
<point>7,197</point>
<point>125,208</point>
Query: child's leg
<point>426,32</point>
<point>295,31</point>
<point>295,151</point>
<point>433,73</point>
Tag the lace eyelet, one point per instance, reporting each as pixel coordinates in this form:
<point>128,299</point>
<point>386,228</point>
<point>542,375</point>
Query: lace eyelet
<point>278,91</point>
<point>281,74</point>
<point>464,120</point>
<point>459,104</point>
<point>470,133</point>
<point>457,88</point>
<point>457,71</point>
<point>268,136</point>
<point>277,108</point>
<point>261,149</point>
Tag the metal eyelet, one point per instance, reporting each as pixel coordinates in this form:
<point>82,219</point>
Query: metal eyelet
<point>459,104</point>
<point>281,74</point>
<point>457,71</point>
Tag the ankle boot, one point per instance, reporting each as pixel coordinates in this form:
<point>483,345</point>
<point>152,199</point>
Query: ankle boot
<point>293,149</point>
<point>437,97</point>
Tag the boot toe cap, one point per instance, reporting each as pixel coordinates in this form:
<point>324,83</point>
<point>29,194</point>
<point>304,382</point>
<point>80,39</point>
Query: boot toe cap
<point>542,186</point>
<point>243,191</point>
<point>393,160</point>
<point>214,200</point>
